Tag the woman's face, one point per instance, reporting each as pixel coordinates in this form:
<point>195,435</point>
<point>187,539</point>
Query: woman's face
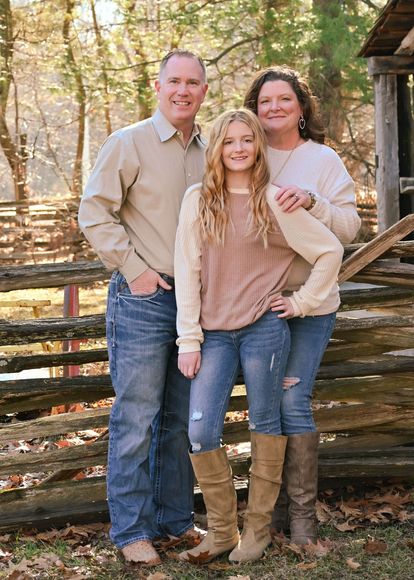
<point>239,149</point>
<point>278,108</point>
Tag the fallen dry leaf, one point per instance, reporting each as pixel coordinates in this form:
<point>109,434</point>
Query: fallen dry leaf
<point>158,576</point>
<point>238,577</point>
<point>201,558</point>
<point>306,565</point>
<point>219,566</point>
<point>298,550</point>
<point>375,547</point>
<point>352,564</point>
<point>349,511</point>
<point>346,527</point>
<point>320,549</point>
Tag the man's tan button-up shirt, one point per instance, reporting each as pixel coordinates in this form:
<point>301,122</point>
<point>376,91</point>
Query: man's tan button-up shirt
<point>130,207</point>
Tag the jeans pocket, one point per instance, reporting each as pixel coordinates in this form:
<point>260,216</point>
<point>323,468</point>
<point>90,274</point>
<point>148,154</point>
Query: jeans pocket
<point>125,292</point>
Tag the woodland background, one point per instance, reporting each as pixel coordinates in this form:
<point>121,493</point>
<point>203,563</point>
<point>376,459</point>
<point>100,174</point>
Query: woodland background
<point>73,71</point>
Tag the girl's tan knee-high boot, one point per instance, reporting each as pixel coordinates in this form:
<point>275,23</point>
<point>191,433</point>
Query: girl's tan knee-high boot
<point>214,476</point>
<point>301,471</point>
<point>268,452</point>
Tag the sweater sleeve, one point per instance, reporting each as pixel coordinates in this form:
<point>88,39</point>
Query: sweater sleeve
<point>187,268</point>
<point>308,237</point>
<point>335,205</point>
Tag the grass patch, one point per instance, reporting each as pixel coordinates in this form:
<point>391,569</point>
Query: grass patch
<point>380,553</point>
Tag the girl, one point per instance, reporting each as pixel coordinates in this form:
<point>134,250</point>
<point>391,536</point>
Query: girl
<point>234,250</point>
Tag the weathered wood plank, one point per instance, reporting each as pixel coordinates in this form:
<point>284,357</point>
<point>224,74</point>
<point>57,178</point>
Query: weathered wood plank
<point>30,394</point>
<point>390,65</point>
<point>375,297</point>
<point>337,419</point>
<point>376,366</point>
<point>404,249</point>
<point>360,444</point>
<point>393,388</point>
<point>60,274</point>
<point>79,501</point>
<point>55,425</point>
<point>375,248</point>
<point>345,324</point>
<point>357,417</point>
<point>79,456</point>
<point>51,275</point>
<point>15,364</point>
<point>399,275</point>
<point>41,330</point>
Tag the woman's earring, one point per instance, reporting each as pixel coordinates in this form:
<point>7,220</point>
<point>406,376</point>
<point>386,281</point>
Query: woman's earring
<point>302,122</point>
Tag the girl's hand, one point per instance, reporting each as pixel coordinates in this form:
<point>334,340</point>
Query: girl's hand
<point>283,306</point>
<point>290,197</point>
<point>189,363</point>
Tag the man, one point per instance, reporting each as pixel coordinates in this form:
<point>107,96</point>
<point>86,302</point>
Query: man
<point>129,213</point>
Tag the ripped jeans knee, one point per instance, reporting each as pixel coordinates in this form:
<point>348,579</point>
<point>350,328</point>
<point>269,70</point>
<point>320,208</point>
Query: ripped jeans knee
<point>289,382</point>
<point>201,437</point>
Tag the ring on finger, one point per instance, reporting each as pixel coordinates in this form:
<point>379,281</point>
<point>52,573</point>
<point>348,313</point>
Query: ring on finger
<point>296,197</point>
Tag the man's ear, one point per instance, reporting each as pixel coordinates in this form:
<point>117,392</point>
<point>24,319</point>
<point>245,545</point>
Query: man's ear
<point>157,86</point>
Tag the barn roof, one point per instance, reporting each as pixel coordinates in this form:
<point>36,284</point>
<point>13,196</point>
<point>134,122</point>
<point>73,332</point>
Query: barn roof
<point>393,31</point>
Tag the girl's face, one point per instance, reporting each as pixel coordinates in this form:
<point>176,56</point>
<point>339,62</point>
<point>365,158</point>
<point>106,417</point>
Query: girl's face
<point>239,149</point>
<point>278,108</point>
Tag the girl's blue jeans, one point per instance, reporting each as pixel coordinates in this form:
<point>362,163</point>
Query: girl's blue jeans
<point>261,351</point>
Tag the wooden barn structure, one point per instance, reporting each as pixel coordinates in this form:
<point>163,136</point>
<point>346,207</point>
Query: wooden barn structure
<point>389,49</point>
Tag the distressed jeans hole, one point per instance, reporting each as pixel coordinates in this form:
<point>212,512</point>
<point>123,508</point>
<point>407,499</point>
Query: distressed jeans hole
<point>196,416</point>
<point>289,382</point>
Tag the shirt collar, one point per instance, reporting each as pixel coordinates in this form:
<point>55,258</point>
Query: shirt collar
<point>166,130</point>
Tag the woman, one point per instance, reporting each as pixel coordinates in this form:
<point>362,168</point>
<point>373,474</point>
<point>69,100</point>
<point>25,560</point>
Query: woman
<point>234,250</point>
<point>310,175</point>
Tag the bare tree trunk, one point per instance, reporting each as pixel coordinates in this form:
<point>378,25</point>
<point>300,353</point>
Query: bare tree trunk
<point>104,74</point>
<point>143,79</point>
<point>80,97</point>
<point>326,80</point>
<point>15,153</point>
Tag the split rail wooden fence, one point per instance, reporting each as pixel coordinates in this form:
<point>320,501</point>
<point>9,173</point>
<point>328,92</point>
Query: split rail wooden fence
<point>364,396</point>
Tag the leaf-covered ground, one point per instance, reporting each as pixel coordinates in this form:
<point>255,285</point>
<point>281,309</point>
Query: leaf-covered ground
<point>363,534</point>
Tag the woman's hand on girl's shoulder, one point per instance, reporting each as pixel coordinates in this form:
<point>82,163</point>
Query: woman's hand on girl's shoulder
<point>290,197</point>
<point>283,306</point>
<point>189,363</point>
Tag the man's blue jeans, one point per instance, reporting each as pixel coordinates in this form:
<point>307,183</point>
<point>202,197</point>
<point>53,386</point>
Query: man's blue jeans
<point>261,350</point>
<point>150,412</point>
<point>309,337</point>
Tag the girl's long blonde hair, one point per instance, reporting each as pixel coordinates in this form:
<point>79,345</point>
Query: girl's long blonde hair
<point>213,209</point>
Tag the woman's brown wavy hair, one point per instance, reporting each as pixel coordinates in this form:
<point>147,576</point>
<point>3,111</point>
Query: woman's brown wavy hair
<point>313,128</point>
<point>213,207</point>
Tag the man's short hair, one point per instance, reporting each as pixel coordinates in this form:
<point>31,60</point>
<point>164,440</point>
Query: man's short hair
<point>184,53</point>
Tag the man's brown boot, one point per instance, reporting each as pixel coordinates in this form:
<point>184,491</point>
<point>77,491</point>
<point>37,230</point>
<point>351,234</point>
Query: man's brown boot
<point>215,479</point>
<point>268,452</point>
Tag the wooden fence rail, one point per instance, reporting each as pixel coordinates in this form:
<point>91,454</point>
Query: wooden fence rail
<point>364,395</point>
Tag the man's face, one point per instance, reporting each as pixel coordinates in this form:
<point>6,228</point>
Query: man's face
<point>181,90</point>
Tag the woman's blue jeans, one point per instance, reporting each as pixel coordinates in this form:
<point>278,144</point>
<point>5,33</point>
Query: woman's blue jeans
<point>309,337</point>
<point>150,479</point>
<point>260,350</point>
